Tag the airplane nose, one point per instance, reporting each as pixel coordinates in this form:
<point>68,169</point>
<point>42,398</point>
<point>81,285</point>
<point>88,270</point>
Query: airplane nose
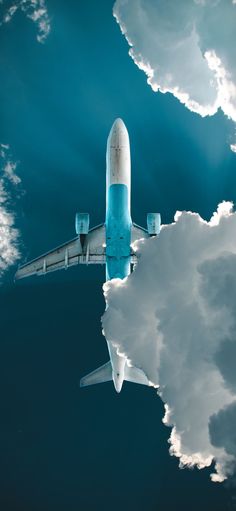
<point>119,124</point>
<point>119,129</point>
<point>118,136</point>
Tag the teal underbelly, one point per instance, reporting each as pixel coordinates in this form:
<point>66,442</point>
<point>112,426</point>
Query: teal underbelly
<point>117,268</point>
<point>118,232</point>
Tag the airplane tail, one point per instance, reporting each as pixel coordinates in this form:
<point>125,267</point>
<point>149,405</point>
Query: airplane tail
<point>104,373</point>
<point>100,375</point>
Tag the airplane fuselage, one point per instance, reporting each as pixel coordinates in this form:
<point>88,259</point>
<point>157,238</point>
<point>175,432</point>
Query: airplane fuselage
<point>118,222</point>
<point>118,219</point>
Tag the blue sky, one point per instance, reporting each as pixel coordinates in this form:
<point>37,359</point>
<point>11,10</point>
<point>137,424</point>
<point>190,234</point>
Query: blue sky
<point>62,447</point>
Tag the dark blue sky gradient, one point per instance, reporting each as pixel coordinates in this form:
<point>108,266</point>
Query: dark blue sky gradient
<point>63,448</point>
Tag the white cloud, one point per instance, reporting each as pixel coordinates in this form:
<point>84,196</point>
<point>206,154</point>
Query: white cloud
<point>185,49</point>
<point>175,318</point>
<point>9,234</point>
<point>36,11</point>
<point>233,147</point>
<point>9,171</point>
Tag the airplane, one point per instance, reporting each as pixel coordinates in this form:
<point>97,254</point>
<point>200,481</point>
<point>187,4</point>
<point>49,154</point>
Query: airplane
<point>109,243</point>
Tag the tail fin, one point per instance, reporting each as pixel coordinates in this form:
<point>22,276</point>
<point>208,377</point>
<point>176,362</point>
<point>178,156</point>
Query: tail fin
<point>135,375</point>
<point>100,375</point>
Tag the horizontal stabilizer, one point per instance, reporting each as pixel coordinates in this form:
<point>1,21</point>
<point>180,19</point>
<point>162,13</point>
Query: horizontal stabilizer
<point>135,375</point>
<point>100,375</point>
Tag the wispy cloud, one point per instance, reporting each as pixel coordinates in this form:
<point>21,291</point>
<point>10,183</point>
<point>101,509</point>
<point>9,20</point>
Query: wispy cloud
<point>35,10</point>
<point>183,50</point>
<point>9,234</point>
<point>175,318</point>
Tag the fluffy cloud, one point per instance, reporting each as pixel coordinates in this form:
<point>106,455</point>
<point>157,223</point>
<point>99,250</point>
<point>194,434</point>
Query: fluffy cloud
<point>185,49</point>
<point>9,235</point>
<point>9,172</point>
<point>35,10</point>
<point>223,433</point>
<point>175,318</point>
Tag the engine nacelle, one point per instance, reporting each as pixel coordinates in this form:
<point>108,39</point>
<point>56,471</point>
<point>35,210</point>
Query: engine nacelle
<point>81,223</point>
<point>153,223</point>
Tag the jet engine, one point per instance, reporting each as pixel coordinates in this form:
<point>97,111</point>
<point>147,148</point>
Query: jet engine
<point>153,223</point>
<point>81,223</point>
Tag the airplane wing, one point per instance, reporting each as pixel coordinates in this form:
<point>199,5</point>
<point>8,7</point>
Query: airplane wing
<point>84,249</point>
<point>138,232</point>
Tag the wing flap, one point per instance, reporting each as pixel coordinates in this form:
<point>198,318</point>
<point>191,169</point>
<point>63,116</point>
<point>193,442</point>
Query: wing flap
<point>61,257</point>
